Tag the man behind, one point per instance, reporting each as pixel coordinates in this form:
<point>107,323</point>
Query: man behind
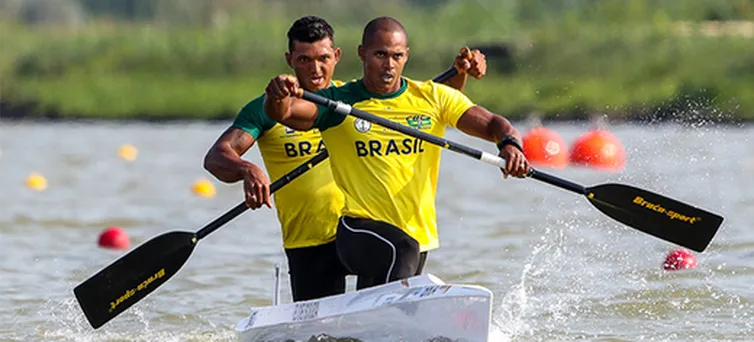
<point>388,223</point>
<point>308,208</point>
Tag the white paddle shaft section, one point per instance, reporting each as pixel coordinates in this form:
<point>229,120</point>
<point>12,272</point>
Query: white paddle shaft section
<point>492,159</point>
<point>342,108</point>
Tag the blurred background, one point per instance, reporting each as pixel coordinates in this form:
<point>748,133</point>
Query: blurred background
<point>203,59</point>
<point>673,81</point>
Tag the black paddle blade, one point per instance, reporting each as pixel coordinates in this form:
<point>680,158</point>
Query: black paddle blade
<point>657,215</point>
<point>135,275</point>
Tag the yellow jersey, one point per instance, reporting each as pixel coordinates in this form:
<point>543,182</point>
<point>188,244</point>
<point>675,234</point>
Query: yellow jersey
<point>386,175</point>
<point>308,207</point>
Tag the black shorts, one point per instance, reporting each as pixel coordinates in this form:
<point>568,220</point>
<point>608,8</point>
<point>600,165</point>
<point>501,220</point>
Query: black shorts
<point>315,272</point>
<point>377,252</point>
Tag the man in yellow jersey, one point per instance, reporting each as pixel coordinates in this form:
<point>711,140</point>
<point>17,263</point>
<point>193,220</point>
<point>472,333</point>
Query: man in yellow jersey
<point>389,180</point>
<point>308,208</point>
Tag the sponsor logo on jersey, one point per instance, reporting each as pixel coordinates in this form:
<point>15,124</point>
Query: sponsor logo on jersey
<point>362,125</point>
<point>419,121</point>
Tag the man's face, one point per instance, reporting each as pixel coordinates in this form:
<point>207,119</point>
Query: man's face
<point>384,60</point>
<point>313,63</point>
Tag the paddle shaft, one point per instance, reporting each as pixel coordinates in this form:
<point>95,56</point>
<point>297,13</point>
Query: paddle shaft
<point>275,186</point>
<point>446,75</point>
<point>452,71</point>
<point>486,157</point>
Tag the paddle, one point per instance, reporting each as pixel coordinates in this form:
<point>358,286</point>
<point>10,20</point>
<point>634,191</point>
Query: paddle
<point>123,283</point>
<point>655,214</point>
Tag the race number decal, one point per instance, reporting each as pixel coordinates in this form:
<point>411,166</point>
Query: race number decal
<point>426,291</point>
<point>413,294</point>
<point>252,319</point>
<point>387,299</point>
<point>304,311</point>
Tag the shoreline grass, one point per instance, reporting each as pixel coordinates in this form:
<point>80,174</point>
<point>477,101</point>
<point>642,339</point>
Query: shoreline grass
<point>627,60</point>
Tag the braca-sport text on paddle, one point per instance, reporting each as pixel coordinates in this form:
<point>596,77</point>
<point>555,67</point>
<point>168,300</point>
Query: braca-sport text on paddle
<point>654,214</point>
<point>123,283</point>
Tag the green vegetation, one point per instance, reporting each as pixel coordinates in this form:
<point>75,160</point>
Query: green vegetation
<point>194,59</point>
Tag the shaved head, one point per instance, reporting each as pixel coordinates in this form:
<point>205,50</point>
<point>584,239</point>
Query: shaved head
<point>380,25</point>
<point>384,51</point>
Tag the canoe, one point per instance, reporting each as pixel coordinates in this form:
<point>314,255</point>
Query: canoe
<point>420,308</point>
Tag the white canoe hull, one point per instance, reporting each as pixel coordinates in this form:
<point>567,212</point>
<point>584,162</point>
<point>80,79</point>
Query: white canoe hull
<point>416,309</point>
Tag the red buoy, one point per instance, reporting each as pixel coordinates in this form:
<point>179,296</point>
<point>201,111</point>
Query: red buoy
<point>114,238</point>
<point>679,259</point>
<point>599,149</point>
<point>545,147</point>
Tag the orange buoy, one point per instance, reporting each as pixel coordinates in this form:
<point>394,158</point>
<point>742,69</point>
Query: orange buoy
<point>545,147</point>
<point>599,149</point>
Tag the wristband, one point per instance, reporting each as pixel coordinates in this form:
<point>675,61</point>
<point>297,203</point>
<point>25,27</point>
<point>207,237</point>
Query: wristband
<point>509,140</point>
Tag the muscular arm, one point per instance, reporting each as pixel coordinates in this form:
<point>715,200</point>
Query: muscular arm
<point>223,160</point>
<point>292,112</point>
<point>481,123</point>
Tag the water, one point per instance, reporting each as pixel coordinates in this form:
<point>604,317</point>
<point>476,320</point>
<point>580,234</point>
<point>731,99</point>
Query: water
<point>560,270</point>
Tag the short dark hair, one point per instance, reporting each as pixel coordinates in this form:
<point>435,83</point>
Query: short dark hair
<point>381,24</point>
<point>309,29</point>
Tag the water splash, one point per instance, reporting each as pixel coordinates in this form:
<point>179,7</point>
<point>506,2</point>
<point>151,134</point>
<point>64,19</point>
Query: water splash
<point>62,320</point>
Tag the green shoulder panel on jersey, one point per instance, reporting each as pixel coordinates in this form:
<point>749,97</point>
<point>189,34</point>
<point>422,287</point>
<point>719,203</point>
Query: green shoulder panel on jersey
<point>252,118</point>
<point>350,93</point>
